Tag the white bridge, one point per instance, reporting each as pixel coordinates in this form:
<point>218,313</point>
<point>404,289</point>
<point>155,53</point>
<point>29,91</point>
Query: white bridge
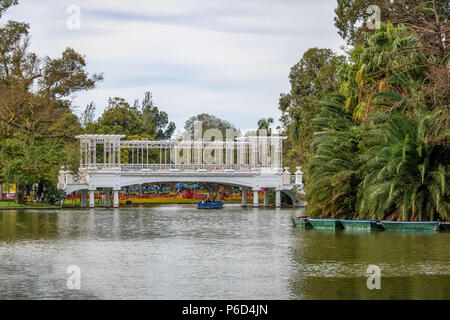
<point>254,162</point>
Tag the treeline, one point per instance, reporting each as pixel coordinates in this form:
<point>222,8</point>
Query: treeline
<point>371,127</point>
<point>37,125</point>
<point>37,122</point>
<point>142,119</point>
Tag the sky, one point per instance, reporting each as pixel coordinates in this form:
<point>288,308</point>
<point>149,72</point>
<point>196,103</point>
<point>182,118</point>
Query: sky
<point>229,58</point>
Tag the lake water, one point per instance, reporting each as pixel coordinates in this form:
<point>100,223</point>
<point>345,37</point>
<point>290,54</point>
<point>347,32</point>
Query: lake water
<point>179,252</point>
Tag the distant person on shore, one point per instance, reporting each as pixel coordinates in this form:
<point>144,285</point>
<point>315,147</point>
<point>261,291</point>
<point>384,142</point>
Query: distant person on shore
<point>40,191</point>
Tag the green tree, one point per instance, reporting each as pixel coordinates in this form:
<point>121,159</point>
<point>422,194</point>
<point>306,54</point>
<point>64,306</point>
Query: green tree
<point>429,22</point>
<point>87,116</point>
<point>385,62</point>
<point>351,17</point>
<point>264,124</point>
<point>314,76</point>
<point>155,122</point>
<point>120,117</point>
<point>209,122</point>
<point>381,149</point>
<point>37,125</point>
<point>406,175</point>
<point>6,4</point>
<point>428,18</point>
<point>139,119</point>
<point>333,171</point>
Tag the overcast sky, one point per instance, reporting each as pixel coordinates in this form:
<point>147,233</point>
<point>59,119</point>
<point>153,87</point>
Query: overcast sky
<point>230,58</point>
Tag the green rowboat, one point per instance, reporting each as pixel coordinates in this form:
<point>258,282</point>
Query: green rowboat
<point>301,222</point>
<point>445,226</point>
<point>411,226</point>
<point>362,225</point>
<point>326,224</point>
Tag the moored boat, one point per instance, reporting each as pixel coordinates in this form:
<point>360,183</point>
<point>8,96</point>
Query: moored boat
<point>326,224</point>
<point>302,222</point>
<point>412,226</point>
<point>209,205</point>
<point>367,225</point>
<point>445,226</point>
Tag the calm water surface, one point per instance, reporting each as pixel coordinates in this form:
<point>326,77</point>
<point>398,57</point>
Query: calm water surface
<point>179,252</point>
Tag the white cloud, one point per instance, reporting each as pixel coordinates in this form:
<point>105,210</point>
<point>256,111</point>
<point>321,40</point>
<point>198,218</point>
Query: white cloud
<point>228,58</point>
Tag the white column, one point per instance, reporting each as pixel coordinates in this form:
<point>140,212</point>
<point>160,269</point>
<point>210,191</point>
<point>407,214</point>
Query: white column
<point>116,199</point>
<point>277,198</point>
<point>118,153</point>
<point>104,152</point>
<point>91,199</point>
<point>112,153</point>
<point>266,197</point>
<point>255,197</point>
<point>244,197</point>
<point>107,198</point>
<point>83,198</point>
<point>253,151</point>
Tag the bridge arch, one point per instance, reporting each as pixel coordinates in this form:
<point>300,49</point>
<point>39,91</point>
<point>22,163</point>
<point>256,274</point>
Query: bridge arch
<point>215,180</point>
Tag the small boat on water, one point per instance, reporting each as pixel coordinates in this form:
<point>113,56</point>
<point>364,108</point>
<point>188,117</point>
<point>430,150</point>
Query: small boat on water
<point>326,224</point>
<point>366,225</point>
<point>411,226</point>
<point>302,222</point>
<point>307,222</point>
<point>209,205</point>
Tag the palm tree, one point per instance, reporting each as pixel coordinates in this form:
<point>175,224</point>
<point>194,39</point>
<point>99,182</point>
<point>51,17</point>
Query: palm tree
<point>333,171</point>
<point>264,124</point>
<point>388,60</point>
<point>406,174</point>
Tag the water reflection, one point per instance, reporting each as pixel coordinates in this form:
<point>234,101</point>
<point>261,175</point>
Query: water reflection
<point>177,252</point>
<point>333,265</point>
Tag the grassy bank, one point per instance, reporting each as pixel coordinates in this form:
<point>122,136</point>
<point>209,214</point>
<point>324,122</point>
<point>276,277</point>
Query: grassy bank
<point>12,204</point>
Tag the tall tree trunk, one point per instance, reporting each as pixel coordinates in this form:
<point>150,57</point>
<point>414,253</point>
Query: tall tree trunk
<point>20,192</point>
<point>1,191</point>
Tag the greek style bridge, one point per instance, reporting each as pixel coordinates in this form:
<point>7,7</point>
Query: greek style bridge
<point>110,163</point>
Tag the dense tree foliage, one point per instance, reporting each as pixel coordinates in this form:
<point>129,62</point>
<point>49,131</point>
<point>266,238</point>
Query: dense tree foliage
<point>383,63</point>
<point>37,126</point>
<point>314,76</point>
<point>155,122</point>
<point>209,122</point>
<point>381,145</point>
<point>120,117</point>
<point>333,171</point>
<point>427,20</point>
<point>405,174</point>
<point>378,147</point>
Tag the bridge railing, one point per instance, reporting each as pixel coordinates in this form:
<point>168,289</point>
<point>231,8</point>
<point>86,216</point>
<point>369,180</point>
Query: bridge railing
<point>184,167</point>
<point>168,167</point>
<point>289,178</point>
